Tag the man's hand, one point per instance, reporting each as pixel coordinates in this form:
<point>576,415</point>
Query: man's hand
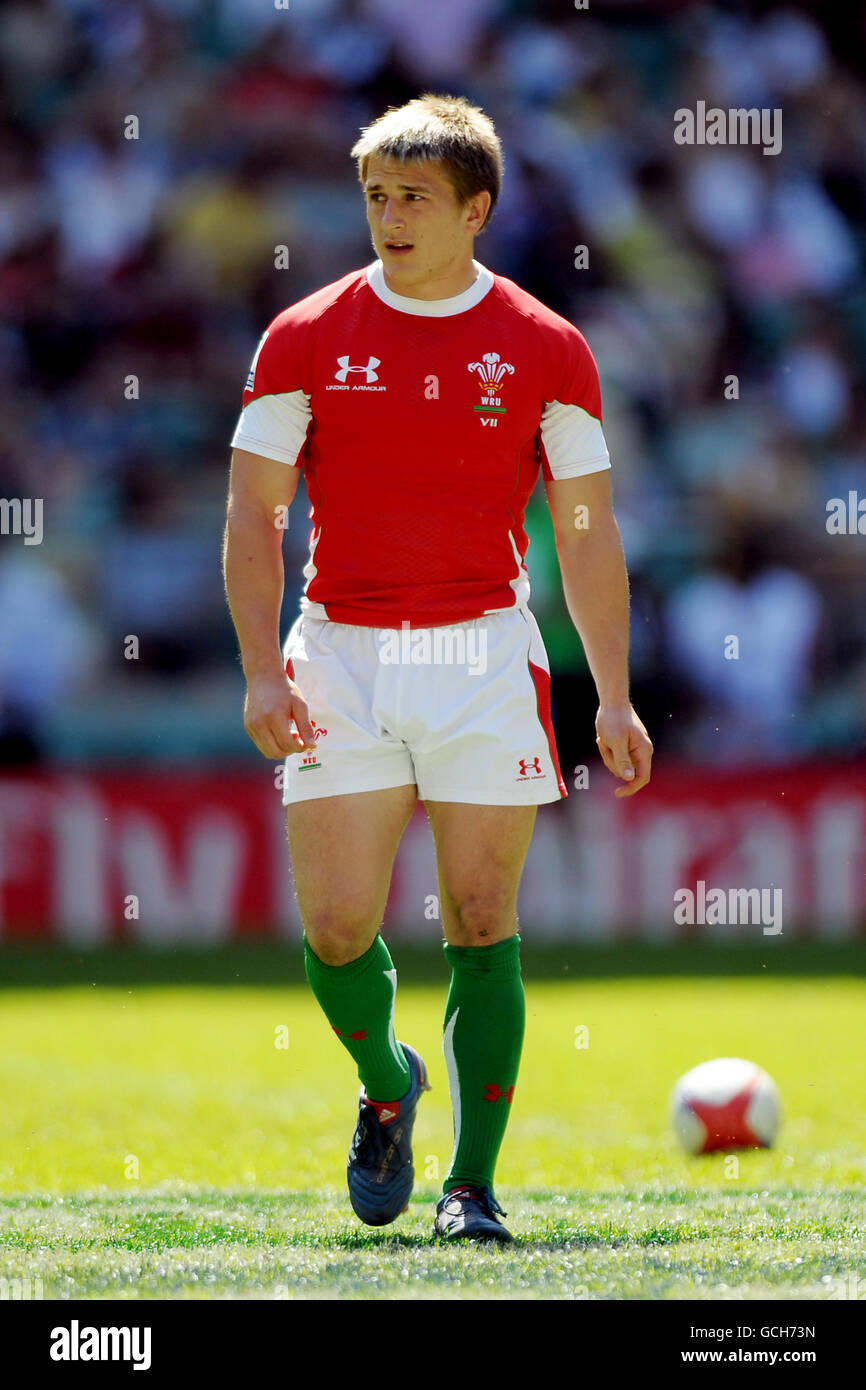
<point>270,706</point>
<point>624,745</point>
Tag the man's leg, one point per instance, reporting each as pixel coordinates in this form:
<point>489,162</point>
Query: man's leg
<point>342,850</point>
<point>480,854</point>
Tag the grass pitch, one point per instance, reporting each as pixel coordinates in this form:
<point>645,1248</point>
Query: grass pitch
<point>189,1141</point>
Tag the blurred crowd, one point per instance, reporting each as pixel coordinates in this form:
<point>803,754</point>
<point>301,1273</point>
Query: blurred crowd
<point>153,156</point>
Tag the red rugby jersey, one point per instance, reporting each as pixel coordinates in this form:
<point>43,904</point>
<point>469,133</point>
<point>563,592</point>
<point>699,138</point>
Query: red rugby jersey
<point>421,426</point>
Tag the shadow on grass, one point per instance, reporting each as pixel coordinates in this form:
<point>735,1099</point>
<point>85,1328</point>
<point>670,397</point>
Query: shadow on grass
<point>269,964</point>
<point>544,1242</point>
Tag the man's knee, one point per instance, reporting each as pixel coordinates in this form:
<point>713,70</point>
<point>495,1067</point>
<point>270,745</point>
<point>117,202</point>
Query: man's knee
<point>339,933</point>
<point>481,918</point>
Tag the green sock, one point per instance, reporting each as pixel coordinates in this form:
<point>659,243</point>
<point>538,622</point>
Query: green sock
<point>484,1020</point>
<point>358,1002</point>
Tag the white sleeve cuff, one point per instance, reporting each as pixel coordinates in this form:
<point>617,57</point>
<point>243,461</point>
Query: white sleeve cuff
<point>573,440</point>
<point>274,426</point>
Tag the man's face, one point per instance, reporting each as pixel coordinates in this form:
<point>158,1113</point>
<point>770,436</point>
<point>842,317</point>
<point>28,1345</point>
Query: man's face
<point>421,233</point>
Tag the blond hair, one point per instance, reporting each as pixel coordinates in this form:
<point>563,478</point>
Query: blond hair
<point>444,128</point>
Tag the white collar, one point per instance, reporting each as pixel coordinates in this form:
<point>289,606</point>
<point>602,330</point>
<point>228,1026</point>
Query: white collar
<point>431,308</point>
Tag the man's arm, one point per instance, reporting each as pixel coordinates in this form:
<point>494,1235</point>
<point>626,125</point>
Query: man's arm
<point>595,585</point>
<point>259,489</point>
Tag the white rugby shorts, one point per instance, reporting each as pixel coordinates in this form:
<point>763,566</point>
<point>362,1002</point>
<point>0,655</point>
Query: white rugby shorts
<point>462,712</point>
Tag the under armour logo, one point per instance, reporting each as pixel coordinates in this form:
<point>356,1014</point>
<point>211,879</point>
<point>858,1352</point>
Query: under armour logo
<point>493,1092</point>
<point>346,367</point>
<point>534,763</point>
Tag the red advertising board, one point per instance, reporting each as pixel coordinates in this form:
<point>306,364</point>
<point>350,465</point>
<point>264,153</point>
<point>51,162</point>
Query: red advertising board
<point>178,857</point>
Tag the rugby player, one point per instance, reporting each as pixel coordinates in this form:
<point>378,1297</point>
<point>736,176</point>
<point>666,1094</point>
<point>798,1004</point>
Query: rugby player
<point>421,395</point>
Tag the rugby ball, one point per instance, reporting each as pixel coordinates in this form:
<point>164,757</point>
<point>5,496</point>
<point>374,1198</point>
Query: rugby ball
<point>725,1104</point>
